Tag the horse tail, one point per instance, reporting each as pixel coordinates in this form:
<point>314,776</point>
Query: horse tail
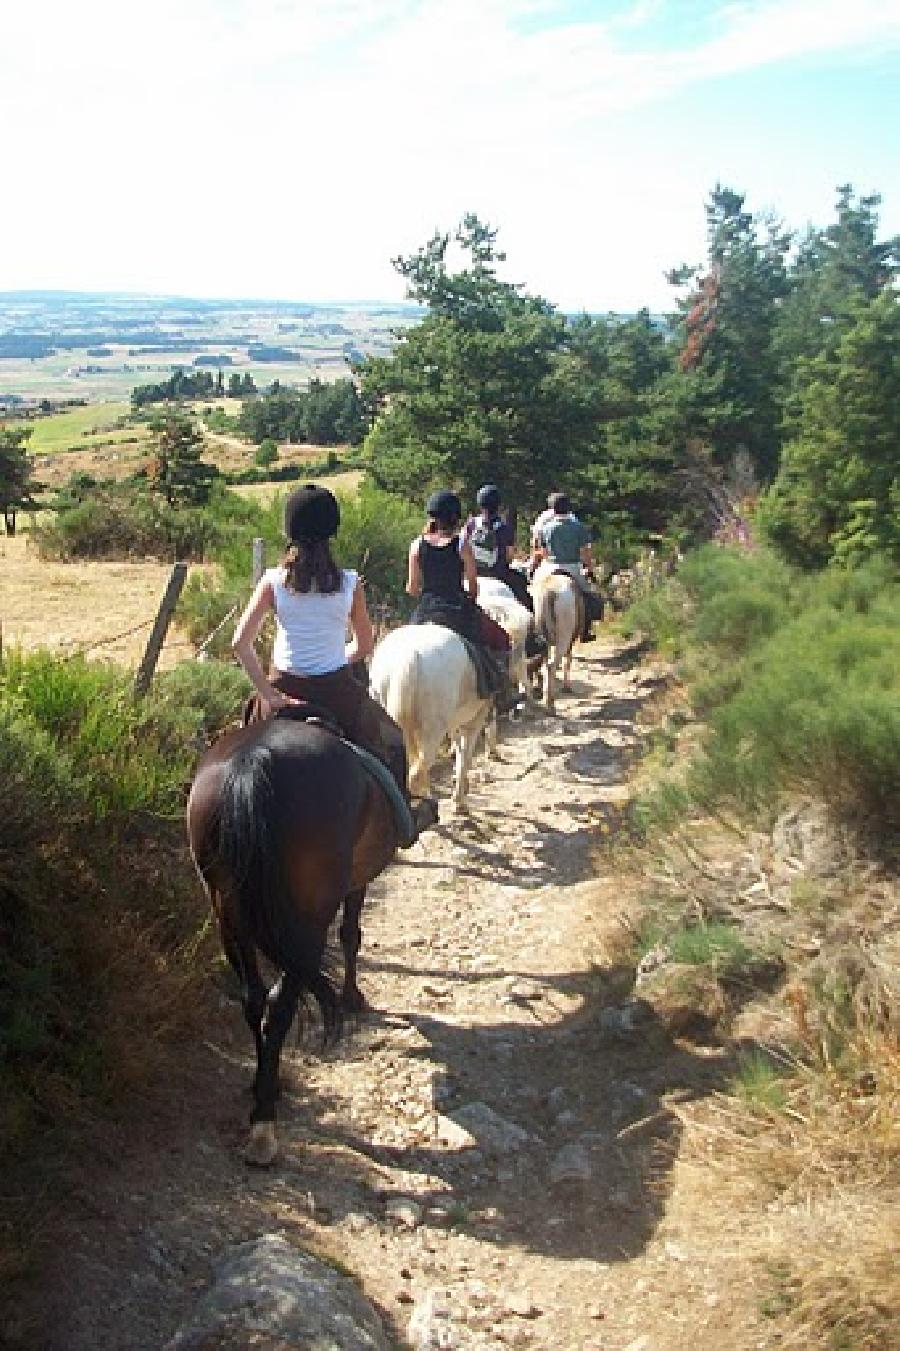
<point>252,838</point>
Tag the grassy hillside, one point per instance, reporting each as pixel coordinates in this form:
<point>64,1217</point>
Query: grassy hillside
<point>764,873</point>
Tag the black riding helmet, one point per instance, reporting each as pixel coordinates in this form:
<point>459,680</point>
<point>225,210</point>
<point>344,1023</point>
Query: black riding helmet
<point>311,514</point>
<point>444,507</point>
<point>488,497</point>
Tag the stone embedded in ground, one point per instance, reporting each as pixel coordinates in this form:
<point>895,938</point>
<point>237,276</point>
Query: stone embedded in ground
<point>620,1020</point>
<point>404,1212</point>
<point>627,1101</point>
<point>431,1326</point>
<point>521,1305</point>
<point>267,1293</point>
<point>491,1131</point>
<point>571,1164</point>
<point>450,1133</point>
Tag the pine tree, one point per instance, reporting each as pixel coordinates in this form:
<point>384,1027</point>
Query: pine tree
<point>177,470</point>
<point>728,397</point>
<point>837,494</point>
<point>17,485</point>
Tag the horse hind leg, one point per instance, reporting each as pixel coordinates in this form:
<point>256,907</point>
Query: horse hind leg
<point>552,667</point>
<point>464,744</point>
<point>352,999</point>
<point>281,1005</point>
<point>423,751</point>
<point>241,957</point>
<point>492,737</point>
<point>567,671</point>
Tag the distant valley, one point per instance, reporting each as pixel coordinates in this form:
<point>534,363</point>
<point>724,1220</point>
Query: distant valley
<point>62,346</point>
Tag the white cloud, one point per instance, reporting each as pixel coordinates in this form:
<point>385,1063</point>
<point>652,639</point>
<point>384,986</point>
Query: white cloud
<point>291,146</point>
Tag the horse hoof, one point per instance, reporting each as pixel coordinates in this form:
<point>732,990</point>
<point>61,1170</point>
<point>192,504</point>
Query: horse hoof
<point>261,1148</point>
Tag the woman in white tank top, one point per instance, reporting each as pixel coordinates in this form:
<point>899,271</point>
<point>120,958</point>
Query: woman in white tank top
<point>316,604</point>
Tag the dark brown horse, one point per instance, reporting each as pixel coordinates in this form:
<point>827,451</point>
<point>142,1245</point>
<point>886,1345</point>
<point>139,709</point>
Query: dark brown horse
<point>286,825</point>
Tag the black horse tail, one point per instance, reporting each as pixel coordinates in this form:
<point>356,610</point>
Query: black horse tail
<point>252,836</point>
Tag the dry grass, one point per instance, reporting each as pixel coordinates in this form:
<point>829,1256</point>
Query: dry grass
<point>813,1189</point>
<point>787,1184</point>
<point>71,607</point>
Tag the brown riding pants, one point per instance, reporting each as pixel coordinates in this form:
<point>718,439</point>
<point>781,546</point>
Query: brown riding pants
<point>361,719</point>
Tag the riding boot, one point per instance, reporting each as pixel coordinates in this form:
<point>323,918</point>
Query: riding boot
<point>535,644</point>
<point>507,698</point>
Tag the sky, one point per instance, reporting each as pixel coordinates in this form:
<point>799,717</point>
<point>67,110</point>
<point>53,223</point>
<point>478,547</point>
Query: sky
<point>289,149</point>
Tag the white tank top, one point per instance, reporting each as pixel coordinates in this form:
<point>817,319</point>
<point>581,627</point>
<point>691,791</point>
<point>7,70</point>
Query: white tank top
<point>310,628</point>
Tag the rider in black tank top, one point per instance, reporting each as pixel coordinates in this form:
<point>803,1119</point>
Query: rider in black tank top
<point>442,574</point>
<point>443,599</point>
<point>442,569</point>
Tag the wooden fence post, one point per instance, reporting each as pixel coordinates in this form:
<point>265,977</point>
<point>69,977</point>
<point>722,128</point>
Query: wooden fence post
<point>259,559</point>
<point>160,628</point>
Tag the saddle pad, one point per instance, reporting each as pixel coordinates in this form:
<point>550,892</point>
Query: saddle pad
<point>486,675</point>
<point>406,827</point>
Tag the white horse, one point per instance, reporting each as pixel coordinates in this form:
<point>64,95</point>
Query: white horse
<point>425,678</point>
<point>559,615</point>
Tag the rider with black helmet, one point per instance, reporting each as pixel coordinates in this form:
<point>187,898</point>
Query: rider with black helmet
<point>315,602</point>
<point>492,542</point>
<point>442,574</point>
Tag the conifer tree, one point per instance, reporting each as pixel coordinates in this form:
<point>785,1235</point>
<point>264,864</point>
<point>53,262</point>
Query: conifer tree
<point>17,485</point>
<point>177,470</point>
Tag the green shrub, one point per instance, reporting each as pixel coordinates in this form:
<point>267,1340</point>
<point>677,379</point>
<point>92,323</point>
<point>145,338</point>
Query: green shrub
<point>716,944</point>
<point>374,538</point>
<point>122,755</point>
<point>193,702</point>
<point>128,521</point>
<point>798,676</point>
<point>661,616</point>
<point>760,1083</point>
<point>267,453</point>
<point>99,908</point>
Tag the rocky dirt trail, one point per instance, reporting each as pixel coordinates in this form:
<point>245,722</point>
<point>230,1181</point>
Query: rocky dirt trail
<point>489,1153</point>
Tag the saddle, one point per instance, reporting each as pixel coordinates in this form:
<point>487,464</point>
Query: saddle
<point>317,716</point>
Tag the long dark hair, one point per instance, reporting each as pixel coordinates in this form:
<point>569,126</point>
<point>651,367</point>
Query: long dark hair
<point>309,566</point>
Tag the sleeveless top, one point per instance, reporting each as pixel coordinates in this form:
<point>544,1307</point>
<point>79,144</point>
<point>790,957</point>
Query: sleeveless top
<point>442,569</point>
<point>310,627</point>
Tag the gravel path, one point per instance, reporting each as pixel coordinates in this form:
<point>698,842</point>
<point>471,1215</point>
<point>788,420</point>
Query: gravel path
<point>484,1154</point>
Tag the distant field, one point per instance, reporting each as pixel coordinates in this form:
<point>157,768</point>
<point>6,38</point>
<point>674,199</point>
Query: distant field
<point>77,428</point>
<point>55,377</point>
<point>101,441</point>
<point>345,484</point>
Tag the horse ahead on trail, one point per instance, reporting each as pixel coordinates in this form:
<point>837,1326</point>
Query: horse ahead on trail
<point>559,616</point>
<point>285,825</point>
<point>425,678</point>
